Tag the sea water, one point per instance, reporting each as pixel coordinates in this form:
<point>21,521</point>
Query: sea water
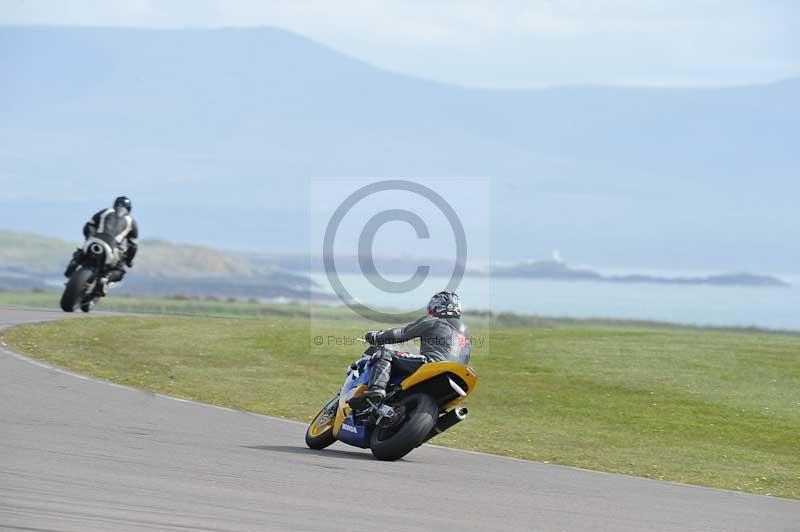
<point>742,306</point>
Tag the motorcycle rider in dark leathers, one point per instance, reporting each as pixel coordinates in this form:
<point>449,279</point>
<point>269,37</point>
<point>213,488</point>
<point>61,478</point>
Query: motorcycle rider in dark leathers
<point>443,337</point>
<point>117,222</point>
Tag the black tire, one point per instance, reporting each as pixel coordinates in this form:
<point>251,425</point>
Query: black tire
<point>322,439</point>
<point>422,413</point>
<point>73,292</point>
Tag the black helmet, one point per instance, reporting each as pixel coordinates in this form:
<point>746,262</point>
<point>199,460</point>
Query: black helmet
<point>123,201</point>
<point>444,305</point>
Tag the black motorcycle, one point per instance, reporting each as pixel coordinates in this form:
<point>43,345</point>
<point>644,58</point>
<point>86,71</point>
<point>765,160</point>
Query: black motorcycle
<point>99,256</point>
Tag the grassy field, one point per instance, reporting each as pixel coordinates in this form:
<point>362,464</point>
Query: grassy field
<point>159,305</point>
<point>716,408</point>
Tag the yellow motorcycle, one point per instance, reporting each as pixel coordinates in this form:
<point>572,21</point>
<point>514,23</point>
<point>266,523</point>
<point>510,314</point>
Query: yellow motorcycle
<point>417,407</point>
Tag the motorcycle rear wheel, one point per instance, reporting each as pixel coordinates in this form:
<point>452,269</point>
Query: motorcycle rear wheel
<point>422,413</point>
<point>73,292</point>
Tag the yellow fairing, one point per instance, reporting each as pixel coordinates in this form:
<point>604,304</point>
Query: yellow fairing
<point>432,369</point>
<point>344,409</point>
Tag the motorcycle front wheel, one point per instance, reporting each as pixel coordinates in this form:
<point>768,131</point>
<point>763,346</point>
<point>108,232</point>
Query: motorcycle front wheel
<point>320,431</point>
<point>76,287</point>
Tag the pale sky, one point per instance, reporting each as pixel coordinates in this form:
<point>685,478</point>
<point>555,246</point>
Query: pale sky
<point>513,43</point>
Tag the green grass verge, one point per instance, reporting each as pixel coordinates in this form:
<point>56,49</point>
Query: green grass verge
<point>162,305</point>
<point>714,408</point>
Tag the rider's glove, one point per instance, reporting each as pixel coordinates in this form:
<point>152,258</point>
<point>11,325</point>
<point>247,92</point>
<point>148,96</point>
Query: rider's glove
<point>372,337</point>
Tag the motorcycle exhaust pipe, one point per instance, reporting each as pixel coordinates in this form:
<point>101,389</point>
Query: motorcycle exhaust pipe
<point>453,417</point>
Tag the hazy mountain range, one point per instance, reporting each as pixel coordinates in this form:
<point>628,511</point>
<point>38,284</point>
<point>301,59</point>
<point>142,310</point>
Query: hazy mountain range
<point>215,133</point>
<point>558,270</point>
<point>30,261</point>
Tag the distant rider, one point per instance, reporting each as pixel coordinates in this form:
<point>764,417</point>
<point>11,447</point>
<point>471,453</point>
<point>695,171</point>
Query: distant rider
<point>443,337</point>
<point>117,222</point>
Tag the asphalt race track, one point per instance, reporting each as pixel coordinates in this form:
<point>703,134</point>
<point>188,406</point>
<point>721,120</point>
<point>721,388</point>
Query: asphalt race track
<point>78,454</point>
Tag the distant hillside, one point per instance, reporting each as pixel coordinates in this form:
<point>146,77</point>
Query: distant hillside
<point>29,260</point>
<point>160,258</point>
<point>558,270</point>
<point>33,254</point>
<point>157,258</point>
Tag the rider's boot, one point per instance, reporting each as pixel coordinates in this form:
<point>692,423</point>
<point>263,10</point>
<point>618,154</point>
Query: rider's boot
<point>379,378</point>
<point>370,399</point>
<point>113,277</point>
<point>73,264</point>
<point>102,286</point>
<point>375,395</point>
